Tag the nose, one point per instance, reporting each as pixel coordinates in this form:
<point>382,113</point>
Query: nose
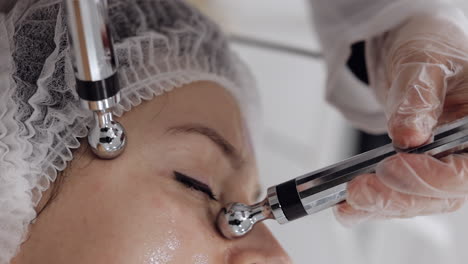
<point>258,247</point>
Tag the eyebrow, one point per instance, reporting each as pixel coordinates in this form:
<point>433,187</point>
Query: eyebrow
<point>230,152</point>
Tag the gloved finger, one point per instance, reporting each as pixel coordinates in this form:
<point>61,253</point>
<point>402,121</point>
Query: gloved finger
<point>370,198</point>
<point>350,217</point>
<point>415,101</point>
<point>426,176</point>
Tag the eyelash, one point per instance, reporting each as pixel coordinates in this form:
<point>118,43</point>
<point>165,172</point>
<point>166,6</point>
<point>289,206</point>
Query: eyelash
<point>191,183</point>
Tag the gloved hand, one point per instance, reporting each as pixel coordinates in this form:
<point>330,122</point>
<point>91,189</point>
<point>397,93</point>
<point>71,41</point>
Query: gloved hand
<point>419,71</point>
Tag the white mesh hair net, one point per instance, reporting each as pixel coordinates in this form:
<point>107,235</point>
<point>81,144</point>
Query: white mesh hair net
<point>161,44</point>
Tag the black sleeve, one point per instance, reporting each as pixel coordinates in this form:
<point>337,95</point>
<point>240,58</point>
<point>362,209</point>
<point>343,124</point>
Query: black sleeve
<point>357,61</point>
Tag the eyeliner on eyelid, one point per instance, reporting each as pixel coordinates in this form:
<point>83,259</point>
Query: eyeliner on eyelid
<point>194,184</point>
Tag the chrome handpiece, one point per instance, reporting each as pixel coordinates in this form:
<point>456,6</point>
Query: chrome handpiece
<point>326,187</point>
<point>95,69</point>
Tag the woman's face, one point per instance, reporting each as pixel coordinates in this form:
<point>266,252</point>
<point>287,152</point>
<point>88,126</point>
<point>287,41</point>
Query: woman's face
<point>188,154</point>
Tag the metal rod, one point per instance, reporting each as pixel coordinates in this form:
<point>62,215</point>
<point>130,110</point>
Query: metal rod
<point>95,67</point>
<point>249,41</point>
<point>326,187</point>
<point>90,39</point>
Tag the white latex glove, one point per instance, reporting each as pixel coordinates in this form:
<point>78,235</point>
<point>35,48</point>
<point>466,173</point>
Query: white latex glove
<point>420,73</point>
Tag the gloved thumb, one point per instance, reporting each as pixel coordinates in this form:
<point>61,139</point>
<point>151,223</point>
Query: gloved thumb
<point>415,101</point>
<point>417,60</point>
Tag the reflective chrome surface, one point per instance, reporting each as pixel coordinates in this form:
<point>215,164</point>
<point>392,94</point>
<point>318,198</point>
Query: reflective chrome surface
<point>324,199</point>
<point>101,105</point>
<point>107,137</point>
<point>237,219</point>
<point>275,206</point>
<point>90,39</point>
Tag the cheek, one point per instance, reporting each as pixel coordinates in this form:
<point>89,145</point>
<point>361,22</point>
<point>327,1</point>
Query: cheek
<point>172,232</point>
<point>163,241</point>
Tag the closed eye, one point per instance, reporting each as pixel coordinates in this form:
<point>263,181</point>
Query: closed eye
<point>190,182</point>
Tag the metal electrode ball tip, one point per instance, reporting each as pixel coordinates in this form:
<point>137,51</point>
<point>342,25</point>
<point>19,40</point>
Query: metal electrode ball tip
<point>234,220</point>
<point>237,219</point>
<point>107,137</point>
